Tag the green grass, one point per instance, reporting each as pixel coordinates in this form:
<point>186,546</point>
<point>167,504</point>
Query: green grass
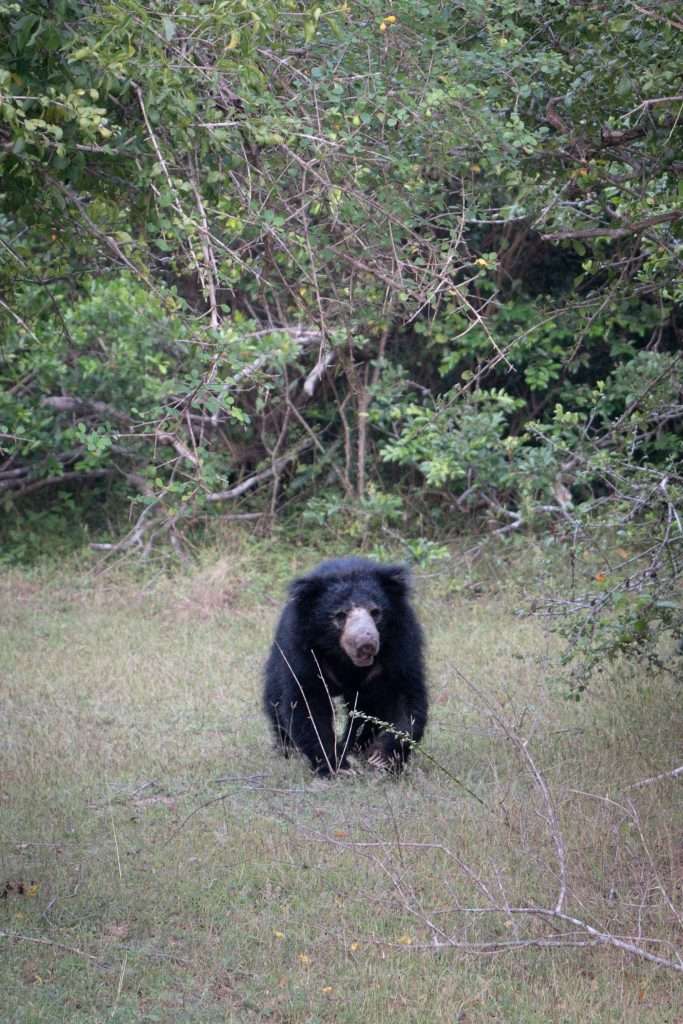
<point>160,862</point>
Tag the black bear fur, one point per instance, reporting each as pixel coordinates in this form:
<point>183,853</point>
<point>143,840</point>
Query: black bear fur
<point>382,677</point>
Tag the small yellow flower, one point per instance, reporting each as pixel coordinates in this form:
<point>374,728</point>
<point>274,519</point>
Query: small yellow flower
<point>354,946</point>
<point>405,940</point>
<point>279,935</point>
<point>304,958</point>
<point>327,988</point>
<point>382,26</point>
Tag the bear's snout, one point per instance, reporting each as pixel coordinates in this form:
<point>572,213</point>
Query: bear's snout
<point>359,638</point>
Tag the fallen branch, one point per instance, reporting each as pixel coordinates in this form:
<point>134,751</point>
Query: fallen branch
<point>656,778</point>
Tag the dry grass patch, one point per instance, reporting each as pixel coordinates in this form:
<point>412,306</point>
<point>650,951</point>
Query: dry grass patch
<point>164,864</point>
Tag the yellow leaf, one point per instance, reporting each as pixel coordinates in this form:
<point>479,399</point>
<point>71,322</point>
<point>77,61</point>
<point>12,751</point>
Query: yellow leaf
<point>405,940</point>
<point>327,988</point>
<point>234,40</point>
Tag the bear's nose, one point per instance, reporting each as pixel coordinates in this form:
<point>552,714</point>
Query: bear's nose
<point>360,639</point>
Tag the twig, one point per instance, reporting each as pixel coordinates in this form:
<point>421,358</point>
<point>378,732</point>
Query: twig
<point>209,255</point>
<point>656,778</point>
<point>113,829</point>
<point>523,747</point>
<point>308,709</point>
<point>407,738</point>
<point>656,102</point>
<point>50,942</point>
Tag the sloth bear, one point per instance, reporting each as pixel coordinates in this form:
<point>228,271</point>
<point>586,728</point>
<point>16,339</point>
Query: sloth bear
<point>347,631</point>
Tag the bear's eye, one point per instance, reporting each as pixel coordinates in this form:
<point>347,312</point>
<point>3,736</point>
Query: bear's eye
<point>339,619</point>
<point>375,612</point>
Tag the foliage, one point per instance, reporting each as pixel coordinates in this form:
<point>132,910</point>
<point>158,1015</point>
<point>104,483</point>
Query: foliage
<point>391,263</point>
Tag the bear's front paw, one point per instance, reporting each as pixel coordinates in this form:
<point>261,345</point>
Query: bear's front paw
<point>378,760</point>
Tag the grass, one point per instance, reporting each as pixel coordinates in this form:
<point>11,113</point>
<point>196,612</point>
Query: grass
<point>160,863</point>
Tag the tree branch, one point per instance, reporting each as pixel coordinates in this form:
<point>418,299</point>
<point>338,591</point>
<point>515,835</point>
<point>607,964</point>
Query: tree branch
<point>23,487</point>
<point>623,232</point>
<point>257,478</point>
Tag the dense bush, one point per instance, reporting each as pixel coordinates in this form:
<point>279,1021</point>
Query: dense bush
<point>399,269</point>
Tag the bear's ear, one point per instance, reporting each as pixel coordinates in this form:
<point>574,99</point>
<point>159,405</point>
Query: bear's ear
<point>395,579</point>
<point>305,589</point>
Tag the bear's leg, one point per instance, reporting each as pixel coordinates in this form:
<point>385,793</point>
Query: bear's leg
<point>392,748</point>
<point>311,729</point>
<point>359,733</point>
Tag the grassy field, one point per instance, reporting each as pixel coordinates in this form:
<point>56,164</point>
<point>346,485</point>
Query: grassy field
<point>159,862</point>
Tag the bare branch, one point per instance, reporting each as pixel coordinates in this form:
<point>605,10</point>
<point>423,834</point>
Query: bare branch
<point>658,101</point>
<point>325,358</point>
<point>24,487</point>
<point>657,778</point>
<point>257,478</point>
<point>623,232</point>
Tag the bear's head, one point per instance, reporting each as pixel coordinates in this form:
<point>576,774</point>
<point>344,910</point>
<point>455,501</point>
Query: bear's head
<point>348,606</point>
